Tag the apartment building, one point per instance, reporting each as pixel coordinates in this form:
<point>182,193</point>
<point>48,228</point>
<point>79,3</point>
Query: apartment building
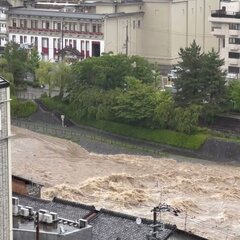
<point>154,29</point>
<point>226,28</point>
<point>5,164</point>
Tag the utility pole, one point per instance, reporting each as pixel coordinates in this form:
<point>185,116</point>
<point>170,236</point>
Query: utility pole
<point>62,55</point>
<point>126,43</point>
<point>37,226</point>
<point>185,222</point>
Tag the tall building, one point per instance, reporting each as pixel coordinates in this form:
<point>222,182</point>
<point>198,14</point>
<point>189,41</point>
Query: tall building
<point>5,163</point>
<point>225,27</point>
<point>153,29</point>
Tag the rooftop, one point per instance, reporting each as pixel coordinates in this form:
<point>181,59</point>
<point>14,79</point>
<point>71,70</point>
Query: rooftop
<point>3,83</point>
<point>52,13</point>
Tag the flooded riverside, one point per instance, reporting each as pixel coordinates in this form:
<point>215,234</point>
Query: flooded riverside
<point>206,193</point>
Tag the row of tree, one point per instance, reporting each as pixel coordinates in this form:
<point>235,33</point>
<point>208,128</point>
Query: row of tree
<point>125,89</point>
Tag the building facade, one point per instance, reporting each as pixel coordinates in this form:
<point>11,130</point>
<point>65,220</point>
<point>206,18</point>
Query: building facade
<point>226,28</point>
<point>5,163</point>
<point>154,29</point>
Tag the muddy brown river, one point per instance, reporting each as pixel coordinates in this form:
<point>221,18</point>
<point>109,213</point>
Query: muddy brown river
<point>207,193</point>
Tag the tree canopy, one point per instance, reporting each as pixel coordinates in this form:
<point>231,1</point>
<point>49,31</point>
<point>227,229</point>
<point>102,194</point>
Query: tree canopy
<point>200,78</point>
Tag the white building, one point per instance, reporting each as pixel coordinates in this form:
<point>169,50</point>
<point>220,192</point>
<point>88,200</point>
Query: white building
<point>5,163</point>
<point>226,27</point>
<point>154,29</point>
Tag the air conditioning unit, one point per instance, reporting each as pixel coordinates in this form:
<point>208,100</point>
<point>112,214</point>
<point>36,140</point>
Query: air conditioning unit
<point>24,212</point>
<point>54,216</point>
<point>43,211</point>
<point>30,209</point>
<point>15,201</point>
<point>82,223</point>
<point>15,210</point>
<point>47,218</point>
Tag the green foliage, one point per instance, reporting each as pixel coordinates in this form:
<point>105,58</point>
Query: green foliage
<point>22,109</point>
<point>185,119</point>
<point>234,94</point>
<point>33,61</point>
<point>109,71</point>
<point>200,79</point>
<point>136,104</point>
<point>45,74</point>
<point>182,140</point>
<point>16,58</point>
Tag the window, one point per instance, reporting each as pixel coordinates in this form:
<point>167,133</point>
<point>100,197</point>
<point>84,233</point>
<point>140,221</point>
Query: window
<point>14,38</point>
<point>233,70</point>
<point>86,27</point>
<point>223,43</point>
<point>134,24</point>
<point>21,39</point>
<point>25,39</point>
<point>233,55</point>
<point>139,23</point>
<point>14,22</point>
<point>234,40</point>
<point>94,28</point>
<point>234,26</point>
<point>99,28</point>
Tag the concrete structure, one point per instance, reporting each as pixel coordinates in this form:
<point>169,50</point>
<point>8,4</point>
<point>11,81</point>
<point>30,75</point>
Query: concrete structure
<point>154,29</point>
<point>5,163</point>
<point>226,27</point>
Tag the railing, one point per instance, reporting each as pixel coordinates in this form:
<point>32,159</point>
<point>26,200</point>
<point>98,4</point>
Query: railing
<point>225,14</point>
<point>11,29</point>
<point>76,135</point>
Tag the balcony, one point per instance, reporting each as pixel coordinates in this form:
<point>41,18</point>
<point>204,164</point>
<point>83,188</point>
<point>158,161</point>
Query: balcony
<point>225,14</point>
<point>55,32</point>
<point>218,32</point>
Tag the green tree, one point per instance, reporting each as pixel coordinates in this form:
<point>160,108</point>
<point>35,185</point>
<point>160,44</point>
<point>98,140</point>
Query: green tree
<point>234,94</point>
<point>33,62</point>
<point>201,79</point>
<point>17,60</point>
<point>45,74</point>
<point>136,104</point>
<point>188,85</point>
<point>62,75</point>
<point>109,71</point>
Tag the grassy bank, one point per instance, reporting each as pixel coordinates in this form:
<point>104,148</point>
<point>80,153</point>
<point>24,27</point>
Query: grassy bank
<point>161,136</point>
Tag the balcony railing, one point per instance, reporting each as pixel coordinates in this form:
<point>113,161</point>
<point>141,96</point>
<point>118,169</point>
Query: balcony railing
<point>225,14</point>
<point>52,31</point>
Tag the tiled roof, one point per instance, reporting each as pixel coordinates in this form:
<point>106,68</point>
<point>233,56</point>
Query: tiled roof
<point>112,225</point>
<point>3,83</point>
<point>64,209</point>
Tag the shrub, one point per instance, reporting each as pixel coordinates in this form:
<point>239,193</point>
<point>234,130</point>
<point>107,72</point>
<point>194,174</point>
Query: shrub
<point>22,109</point>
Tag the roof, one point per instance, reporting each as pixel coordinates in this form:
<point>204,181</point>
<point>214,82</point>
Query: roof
<point>51,13</point>
<point>64,209</point>
<point>106,224</point>
<point>5,4</point>
<point>112,225</point>
<point>27,181</point>
<point>3,83</point>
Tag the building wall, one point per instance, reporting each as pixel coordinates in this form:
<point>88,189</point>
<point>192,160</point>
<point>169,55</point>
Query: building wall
<point>5,167</point>
<point>81,234</point>
<point>170,25</point>
<point>116,30</point>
